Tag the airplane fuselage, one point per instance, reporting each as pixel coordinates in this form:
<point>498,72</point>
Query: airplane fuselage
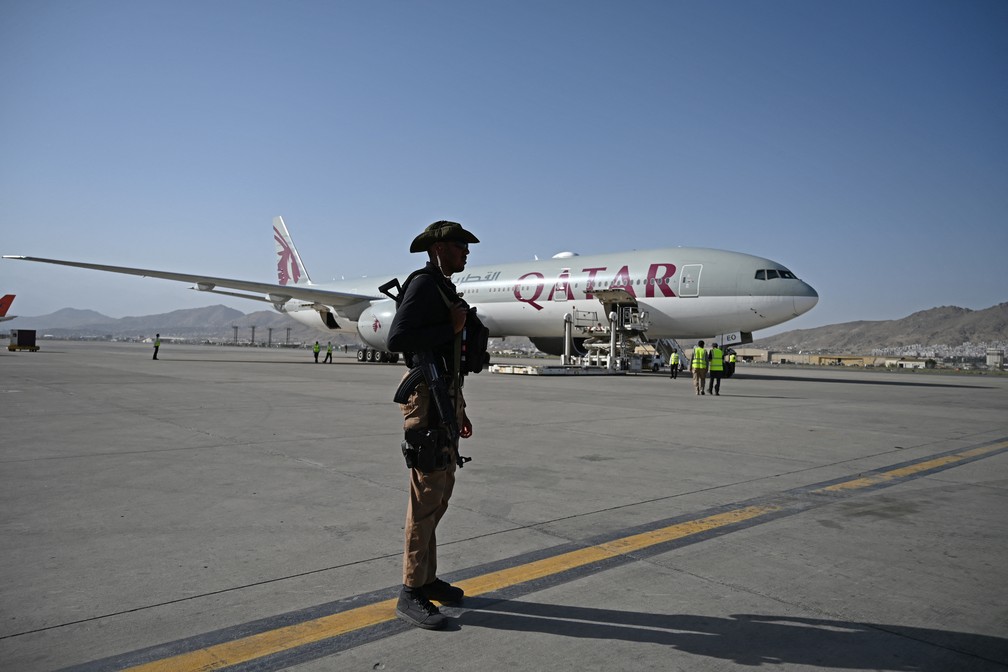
<point>687,292</point>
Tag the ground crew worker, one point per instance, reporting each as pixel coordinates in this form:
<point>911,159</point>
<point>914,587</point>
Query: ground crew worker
<point>715,363</point>
<point>328,353</point>
<point>731,364</point>
<point>674,364</point>
<point>316,348</point>
<point>431,317</point>
<point>157,344</point>
<point>698,364</point>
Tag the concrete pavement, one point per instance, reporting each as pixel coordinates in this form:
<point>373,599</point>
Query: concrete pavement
<point>243,508</point>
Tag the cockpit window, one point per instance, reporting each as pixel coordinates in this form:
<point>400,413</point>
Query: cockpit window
<point>774,273</point>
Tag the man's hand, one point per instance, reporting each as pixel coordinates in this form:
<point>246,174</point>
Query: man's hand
<point>466,430</point>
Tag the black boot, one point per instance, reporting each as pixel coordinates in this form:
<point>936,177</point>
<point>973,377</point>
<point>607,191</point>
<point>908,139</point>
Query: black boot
<point>443,592</point>
<point>416,609</point>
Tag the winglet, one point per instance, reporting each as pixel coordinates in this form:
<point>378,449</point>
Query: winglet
<point>5,304</point>
<point>290,269</point>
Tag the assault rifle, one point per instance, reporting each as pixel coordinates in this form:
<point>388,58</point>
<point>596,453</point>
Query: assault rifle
<point>429,368</point>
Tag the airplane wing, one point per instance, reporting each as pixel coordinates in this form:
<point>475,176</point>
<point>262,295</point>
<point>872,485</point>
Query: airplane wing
<point>271,293</point>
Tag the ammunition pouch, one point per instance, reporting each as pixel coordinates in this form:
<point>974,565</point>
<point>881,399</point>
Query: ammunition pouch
<point>428,450</point>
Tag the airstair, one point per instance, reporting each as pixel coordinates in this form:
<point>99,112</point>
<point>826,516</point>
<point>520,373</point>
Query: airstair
<point>614,340</point>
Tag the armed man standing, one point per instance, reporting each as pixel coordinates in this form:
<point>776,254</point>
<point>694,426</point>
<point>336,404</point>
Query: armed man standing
<point>428,328</point>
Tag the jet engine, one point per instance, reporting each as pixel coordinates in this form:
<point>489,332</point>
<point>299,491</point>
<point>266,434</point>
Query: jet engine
<point>554,345</point>
<point>374,323</point>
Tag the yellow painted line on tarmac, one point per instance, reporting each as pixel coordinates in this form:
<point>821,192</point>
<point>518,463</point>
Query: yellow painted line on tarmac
<point>548,566</point>
<point>292,636</point>
<point>274,641</point>
<point>903,472</point>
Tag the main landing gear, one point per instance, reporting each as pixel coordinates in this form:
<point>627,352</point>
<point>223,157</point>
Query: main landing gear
<point>369,355</point>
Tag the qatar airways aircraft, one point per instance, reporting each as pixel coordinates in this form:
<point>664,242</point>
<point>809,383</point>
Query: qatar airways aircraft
<point>687,293</point>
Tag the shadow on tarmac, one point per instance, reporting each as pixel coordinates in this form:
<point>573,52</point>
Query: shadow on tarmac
<point>754,640</point>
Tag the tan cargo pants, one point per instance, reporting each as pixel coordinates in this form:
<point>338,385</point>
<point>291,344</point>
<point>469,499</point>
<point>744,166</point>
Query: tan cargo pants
<point>699,378</point>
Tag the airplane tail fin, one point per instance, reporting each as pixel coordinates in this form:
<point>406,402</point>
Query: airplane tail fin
<point>290,269</point>
<point>5,304</point>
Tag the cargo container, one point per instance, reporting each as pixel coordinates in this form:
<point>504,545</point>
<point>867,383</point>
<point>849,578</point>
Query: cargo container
<point>22,339</point>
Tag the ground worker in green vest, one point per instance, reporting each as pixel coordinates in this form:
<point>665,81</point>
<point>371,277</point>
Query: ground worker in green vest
<point>328,353</point>
<point>157,344</point>
<point>316,348</point>
<point>715,364</point>
<point>698,365</point>
<point>731,364</point>
<point>674,364</point>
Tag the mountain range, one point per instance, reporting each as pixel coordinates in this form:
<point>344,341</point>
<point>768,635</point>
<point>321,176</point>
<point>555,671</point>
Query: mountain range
<point>944,326</point>
<point>948,326</point>
<point>214,323</point>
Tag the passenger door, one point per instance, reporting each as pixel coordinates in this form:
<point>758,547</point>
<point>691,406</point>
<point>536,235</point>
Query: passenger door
<point>689,280</point>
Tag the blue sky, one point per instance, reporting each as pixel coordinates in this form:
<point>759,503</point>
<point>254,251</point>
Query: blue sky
<point>862,144</point>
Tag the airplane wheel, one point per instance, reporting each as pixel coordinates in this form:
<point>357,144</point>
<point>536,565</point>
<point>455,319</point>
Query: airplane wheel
<point>361,355</point>
<point>381,356</point>
<point>394,358</point>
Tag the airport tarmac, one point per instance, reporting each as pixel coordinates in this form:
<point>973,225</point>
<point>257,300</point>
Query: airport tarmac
<point>242,509</point>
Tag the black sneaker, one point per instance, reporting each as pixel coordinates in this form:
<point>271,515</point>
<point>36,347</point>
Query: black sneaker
<point>443,592</point>
<point>416,609</point>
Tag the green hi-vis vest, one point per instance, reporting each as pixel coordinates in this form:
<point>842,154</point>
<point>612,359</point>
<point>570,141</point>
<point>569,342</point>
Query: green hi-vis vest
<point>316,347</point>
<point>699,358</point>
<point>731,358</point>
<point>716,359</point>
<point>675,358</point>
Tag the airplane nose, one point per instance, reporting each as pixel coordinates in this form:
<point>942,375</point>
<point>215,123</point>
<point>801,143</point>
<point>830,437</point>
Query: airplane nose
<point>805,301</point>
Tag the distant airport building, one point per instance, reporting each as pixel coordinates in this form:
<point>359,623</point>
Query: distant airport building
<point>813,359</point>
<point>826,359</point>
<point>906,363</point>
<point>880,359</point>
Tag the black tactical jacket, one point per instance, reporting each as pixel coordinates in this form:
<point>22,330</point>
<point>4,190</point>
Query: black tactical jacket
<point>423,319</point>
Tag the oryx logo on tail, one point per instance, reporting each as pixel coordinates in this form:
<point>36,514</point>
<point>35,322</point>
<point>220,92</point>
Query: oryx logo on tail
<point>290,269</point>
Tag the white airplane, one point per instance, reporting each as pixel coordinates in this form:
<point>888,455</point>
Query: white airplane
<point>687,293</point>
<point>5,304</point>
